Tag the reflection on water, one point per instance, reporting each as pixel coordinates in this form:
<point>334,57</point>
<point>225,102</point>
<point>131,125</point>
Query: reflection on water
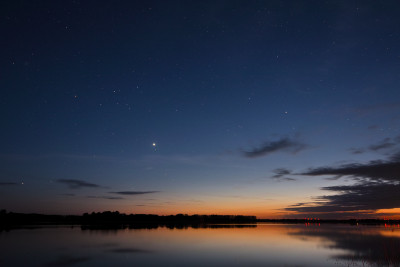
<point>169,226</point>
<point>365,245</point>
<point>215,245</point>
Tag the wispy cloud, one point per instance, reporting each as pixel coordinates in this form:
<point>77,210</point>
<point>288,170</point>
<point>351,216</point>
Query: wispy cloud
<point>131,193</point>
<point>130,250</point>
<point>106,197</point>
<point>8,183</point>
<point>68,260</point>
<point>281,174</point>
<point>282,145</point>
<point>75,184</point>
<point>385,145</point>
<point>356,151</point>
<point>58,156</point>
<point>68,195</point>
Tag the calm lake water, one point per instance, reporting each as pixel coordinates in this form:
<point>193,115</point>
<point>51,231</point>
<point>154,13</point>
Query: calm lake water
<point>255,245</point>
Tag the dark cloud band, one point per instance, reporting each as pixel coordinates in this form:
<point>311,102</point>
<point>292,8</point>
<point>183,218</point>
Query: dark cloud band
<point>375,170</point>
<point>377,187</point>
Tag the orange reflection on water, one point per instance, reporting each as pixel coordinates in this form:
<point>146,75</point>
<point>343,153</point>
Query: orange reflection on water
<point>310,244</point>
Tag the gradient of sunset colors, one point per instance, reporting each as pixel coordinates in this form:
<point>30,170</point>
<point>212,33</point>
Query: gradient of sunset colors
<point>279,109</point>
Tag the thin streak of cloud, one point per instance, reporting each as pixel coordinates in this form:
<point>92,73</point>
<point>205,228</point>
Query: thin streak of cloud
<point>281,173</point>
<point>105,197</point>
<point>385,145</point>
<point>356,151</point>
<point>75,184</point>
<point>132,193</point>
<point>289,179</point>
<point>129,250</point>
<point>68,261</point>
<point>58,156</point>
<point>284,145</point>
<point>8,183</point>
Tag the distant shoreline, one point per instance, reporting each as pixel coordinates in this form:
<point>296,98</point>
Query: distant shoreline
<point>118,220</point>
<point>333,221</point>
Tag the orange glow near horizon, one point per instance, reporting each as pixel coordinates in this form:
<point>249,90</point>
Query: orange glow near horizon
<point>166,205</point>
<point>205,207</point>
<point>227,208</point>
<point>389,213</point>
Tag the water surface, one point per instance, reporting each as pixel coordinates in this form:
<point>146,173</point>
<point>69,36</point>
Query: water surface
<point>251,245</point>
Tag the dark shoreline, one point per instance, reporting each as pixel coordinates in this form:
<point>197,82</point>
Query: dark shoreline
<point>116,220</point>
<point>333,221</point>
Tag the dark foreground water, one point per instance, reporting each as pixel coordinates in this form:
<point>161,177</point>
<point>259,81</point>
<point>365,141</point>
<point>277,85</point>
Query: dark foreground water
<point>255,245</point>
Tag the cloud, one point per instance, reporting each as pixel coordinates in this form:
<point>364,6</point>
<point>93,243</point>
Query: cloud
<point>8,183</point>
<point>375,170</point>
<point>284,144</point>
<point>75,184</point>
<point>134,192</point>
<point>386,144</point>
<point>359,197</point>
<point>395,157</point>
<point>356,151</point>
<point>68,261</point>
<point>377,187</point>
<point>68,195</point>
<point>130,250</point>
<point>288,179</point>
<point>280,173</point>
<point>105,197</point>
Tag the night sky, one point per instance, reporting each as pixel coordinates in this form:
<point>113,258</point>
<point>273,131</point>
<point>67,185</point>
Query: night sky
<point>279,109</point>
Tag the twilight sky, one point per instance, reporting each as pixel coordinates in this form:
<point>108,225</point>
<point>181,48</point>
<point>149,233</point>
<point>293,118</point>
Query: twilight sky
<point>269,108</point>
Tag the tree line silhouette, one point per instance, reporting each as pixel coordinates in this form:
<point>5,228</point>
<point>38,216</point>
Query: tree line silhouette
<point>117,219</point>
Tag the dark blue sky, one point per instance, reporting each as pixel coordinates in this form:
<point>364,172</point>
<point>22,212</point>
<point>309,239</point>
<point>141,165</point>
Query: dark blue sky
<point>243,100</point>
